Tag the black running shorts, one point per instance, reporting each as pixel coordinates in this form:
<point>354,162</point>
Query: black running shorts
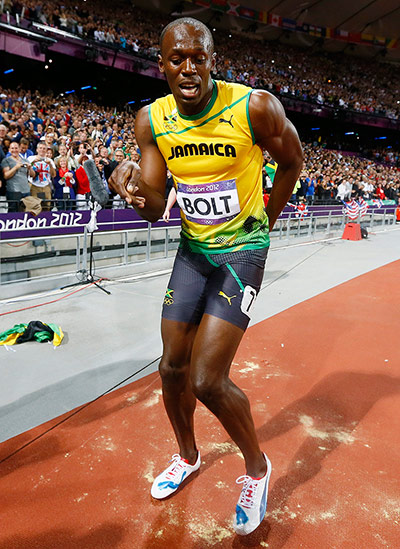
<point>223,285</point>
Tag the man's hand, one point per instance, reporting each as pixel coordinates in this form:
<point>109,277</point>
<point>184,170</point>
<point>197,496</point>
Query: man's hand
<point>124,181</point>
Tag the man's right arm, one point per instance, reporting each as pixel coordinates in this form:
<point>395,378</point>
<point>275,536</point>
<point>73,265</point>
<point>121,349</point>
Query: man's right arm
<point>144,186</point>
<point>8,171</point>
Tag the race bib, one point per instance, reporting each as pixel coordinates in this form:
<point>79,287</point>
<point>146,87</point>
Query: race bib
<point>209,203</point>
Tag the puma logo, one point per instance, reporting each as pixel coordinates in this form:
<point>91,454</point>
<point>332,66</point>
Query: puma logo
<point>221,120</point>
<point>227,297</point>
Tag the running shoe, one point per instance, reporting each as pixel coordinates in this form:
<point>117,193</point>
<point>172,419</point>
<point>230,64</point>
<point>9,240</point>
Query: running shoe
<point>252,503</point>
<point>169,480</point>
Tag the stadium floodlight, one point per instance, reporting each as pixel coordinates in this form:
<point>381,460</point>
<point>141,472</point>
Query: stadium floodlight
<point>70,91</point>
<point>85,87</point>
<point>349,133</point>
<point>314,129</point>
<point>8,71</point>
<point>131,102</point>
<point>383,137</point>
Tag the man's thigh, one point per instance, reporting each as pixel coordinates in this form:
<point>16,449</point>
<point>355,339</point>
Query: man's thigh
<point>232,289</point>
<point>185,294</point>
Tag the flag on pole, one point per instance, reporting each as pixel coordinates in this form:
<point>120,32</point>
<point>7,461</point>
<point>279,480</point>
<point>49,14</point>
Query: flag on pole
<point>351,209</point>
<point>219,5</point>
<point>248,13</point>
<point>363,206</point>
<point>300,210</point>
<point>377,202</point>
<point>275,20</point>
<point>233,8</point>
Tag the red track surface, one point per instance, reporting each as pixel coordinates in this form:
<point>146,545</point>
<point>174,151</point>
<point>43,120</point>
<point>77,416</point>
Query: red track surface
<point>323,379</point>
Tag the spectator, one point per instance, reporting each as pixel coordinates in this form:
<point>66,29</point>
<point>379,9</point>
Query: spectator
<point>311,183</point>
<point>44,171</point>
<point>379,193</point>
<point>82,187</point>
<point>65,152</point>
<point>25,152</point>
<point>15,172</point>
<point>119,156</point>
<point>64,185</point>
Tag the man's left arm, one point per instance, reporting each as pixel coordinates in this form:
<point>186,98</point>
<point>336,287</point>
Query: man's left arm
<point>276,134</point>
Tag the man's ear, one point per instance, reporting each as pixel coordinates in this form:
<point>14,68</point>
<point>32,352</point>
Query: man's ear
<point>160,64</point>
<point>213,61</point>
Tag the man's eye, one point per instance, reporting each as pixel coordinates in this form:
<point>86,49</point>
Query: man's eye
<point>200,60</point>
<point>176,61</point>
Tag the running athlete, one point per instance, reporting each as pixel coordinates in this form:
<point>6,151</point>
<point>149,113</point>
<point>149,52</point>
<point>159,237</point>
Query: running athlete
<point>211,135</point>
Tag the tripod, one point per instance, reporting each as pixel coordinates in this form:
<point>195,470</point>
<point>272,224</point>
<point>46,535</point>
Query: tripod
<point>89,277</point>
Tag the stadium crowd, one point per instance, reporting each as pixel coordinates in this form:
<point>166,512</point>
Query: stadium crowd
<point>335,80</point>
<point>44,142</point>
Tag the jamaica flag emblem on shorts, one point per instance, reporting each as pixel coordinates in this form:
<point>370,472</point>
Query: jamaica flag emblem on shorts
<point>168,299</point>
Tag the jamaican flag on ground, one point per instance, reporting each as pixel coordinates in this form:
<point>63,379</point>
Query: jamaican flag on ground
<point>34,331</point>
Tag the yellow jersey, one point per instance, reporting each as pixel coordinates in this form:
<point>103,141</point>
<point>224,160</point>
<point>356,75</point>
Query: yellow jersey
<point>217,170</point>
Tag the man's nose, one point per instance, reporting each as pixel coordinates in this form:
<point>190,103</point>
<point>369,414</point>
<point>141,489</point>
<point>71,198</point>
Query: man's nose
<point>189,67</point>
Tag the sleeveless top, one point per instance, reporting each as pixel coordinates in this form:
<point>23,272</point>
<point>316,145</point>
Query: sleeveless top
<point>217,170</point>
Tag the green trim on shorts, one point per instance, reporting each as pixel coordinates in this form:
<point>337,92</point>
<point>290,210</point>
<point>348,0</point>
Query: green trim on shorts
<point>211,261</point>
<point>235,276</point>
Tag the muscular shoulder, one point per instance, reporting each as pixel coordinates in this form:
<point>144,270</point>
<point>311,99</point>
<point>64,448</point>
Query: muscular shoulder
<point>266,114</point>
<point>143,129</point>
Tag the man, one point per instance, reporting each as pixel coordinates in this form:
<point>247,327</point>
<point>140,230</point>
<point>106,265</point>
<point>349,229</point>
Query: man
<point>15,172</point>
<point>3,134</point>
<point>218,270</point>
<point>45,171</point>
<point>24,150</point>
<point>51,140</point>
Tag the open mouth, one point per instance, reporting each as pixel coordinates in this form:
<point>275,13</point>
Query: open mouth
<point>189,90</point>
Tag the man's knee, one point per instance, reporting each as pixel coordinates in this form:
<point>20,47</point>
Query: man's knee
<point>173,370</point>
<point>207,390</point>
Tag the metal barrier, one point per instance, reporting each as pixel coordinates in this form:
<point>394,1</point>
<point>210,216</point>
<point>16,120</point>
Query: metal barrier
<point>51,256</point>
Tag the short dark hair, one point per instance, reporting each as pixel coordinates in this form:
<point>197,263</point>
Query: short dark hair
<point>198,25</point>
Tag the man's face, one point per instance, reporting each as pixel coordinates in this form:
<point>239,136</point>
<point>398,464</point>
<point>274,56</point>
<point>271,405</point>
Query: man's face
<point>14,149</point>
<point>41,150</point>
<point>23,147</point>
<point>103,152</point>
<point>187,60</point>
<point>119,156</point>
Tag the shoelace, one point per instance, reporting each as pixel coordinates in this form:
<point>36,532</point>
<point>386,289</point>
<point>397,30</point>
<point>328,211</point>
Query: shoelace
<point>249,490</point>
<point>177,466</point>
